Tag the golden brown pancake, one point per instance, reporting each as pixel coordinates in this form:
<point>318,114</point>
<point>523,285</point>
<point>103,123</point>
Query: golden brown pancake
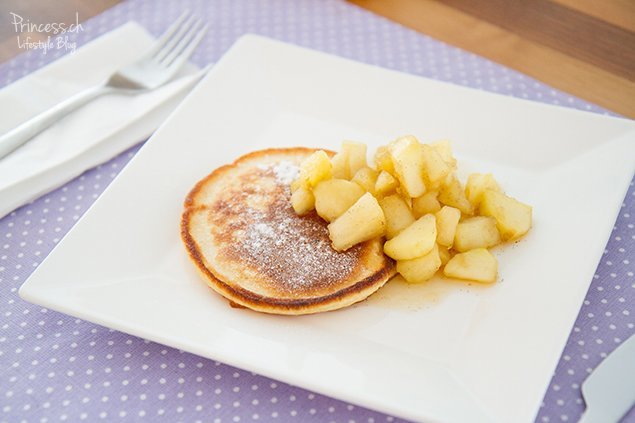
<point>250,246</point>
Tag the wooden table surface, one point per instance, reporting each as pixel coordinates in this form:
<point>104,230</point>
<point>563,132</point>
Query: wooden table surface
<point>583,47</point>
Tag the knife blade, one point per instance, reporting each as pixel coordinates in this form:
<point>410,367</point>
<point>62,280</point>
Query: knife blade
<point>609,391</point>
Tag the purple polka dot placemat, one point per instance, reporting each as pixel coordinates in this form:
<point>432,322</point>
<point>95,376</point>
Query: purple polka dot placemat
<point>58,368</point>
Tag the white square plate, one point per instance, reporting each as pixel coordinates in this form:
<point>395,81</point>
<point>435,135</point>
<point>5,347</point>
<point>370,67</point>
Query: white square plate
<point>442,351</point>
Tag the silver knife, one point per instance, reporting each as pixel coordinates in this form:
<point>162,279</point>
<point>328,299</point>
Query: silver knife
<point>609,391</point>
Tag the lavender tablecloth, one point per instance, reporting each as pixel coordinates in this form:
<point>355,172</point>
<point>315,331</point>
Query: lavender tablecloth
<point>57,368</point>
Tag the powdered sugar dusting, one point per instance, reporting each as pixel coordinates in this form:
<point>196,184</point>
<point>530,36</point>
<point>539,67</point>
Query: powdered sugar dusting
<point>284,171</point>
<point>269,239</point>
<point>295,252</point>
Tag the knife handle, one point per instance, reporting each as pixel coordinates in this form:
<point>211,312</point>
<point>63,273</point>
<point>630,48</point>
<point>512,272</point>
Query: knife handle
<point>27,130</point>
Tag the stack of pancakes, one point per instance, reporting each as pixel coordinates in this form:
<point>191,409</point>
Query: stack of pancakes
<point>252,248</point>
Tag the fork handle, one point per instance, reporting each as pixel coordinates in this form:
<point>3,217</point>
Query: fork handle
<point>27,130</point>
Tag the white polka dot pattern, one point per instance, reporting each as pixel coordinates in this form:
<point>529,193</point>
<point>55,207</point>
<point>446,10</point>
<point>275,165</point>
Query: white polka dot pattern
<point>57,368</point>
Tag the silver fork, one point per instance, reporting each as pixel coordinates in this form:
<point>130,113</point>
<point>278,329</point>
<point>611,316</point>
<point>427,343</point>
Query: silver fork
<point>166,56</point>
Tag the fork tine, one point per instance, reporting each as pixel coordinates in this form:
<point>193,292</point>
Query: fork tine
<point>183,43</point>
<point>174,39</point>
<point>188,50</point>
<point>160,43</point>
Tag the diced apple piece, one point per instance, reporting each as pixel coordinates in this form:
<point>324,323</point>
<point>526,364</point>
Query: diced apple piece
<point>315,168</point>
<point>356,154</point>
<point>334,197</point>
<point>447,221</point>
<point>420,269</point>
<point>404,196</point>
<point>444,254</point>
<point>477,265</point>
<point>366,178</point>
<point>452,194</point>
<point>476,232</point>
<point>385,184</point>
<point>476,185</point>
<point>513,218</point>
<point>398,214</point>
<point>348,229</point>
<point>445,151</point>
<point>414,241</point>
<point>435,169</point>
<point>425,204</point>
<point>408,161</point>
<point>302,200</point>
<point>297,183</point>
<point>383,160</point>
<point>340,165</point>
